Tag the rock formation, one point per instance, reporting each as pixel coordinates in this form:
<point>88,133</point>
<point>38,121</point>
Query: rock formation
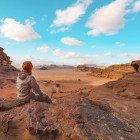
<point>127,86</point>
<point>8,72</point>
<point>112,72</point>
<point>136,65</point>
<point>84,68</point>
<point>4,59</point>
<point>5,62</point>
<point>41,67</point>
<point>69,118</point>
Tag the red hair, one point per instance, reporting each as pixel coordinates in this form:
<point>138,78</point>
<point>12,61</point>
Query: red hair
<point>27,66</point>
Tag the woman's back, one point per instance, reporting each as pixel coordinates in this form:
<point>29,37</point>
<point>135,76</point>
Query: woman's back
<point>24,85</point>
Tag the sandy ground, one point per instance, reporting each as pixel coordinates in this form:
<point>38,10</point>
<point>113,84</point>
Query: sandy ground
<point>48,80</point>
<point>68,75</point>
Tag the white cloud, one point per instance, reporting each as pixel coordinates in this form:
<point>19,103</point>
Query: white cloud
<point>71,41</point>
<point>70,55</point>
<point>74,55</point>
<point>12,29</point>
<point>18,60</point>
<point>27,57</point>
<point>44,48</point>
<point>108,19</point>
<point>98,59</point>
<point>71,14</point>
<point>57,52</point>
<point>136,7</point>
<point>63,29</point>
<point>130,56</point>
<point>119,44</point>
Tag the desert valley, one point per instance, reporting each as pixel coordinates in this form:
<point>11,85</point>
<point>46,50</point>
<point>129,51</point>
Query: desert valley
<point>88,103</point>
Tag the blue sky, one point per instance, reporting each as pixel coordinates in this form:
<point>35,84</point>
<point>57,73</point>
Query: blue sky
<point>71,31</point>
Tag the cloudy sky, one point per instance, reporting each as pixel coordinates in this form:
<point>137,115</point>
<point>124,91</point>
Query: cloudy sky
<point>72,32</point>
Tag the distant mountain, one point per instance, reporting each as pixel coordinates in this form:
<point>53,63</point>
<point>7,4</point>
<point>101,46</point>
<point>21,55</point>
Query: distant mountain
<point>53,66</point>
<point>41,67</point>
<point>95,66</point>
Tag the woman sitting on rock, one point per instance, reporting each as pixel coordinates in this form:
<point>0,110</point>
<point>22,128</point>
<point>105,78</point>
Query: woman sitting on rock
<point>27,85</point>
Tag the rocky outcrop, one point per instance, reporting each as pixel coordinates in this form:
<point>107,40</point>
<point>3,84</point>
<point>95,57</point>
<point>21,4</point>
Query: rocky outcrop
<point>4,59</point>
<point>5,62</point>
<point>127,86</point>
<point>8,72</point>
<point>81,68</point>
<point>69,118</point>
<point>41,67</point>
<point>112,72</point>
<point>136,65</point>
<point>84,68</point>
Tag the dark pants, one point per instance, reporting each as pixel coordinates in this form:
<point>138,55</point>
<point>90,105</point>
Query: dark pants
<point>41,98</point>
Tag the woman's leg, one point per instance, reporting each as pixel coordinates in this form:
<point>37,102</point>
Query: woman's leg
<point>42,98</point>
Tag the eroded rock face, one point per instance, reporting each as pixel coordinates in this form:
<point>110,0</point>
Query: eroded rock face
<point>8,73</point>
<point>4,59</point>
<point>127,86</point>
<point>5,62</point>
<point>69,118</point>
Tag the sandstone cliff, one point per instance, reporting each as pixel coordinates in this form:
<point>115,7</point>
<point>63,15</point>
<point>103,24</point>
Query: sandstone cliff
<point>8,72</point>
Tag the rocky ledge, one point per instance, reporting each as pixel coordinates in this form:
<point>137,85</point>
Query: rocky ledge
<point>69,118</point>
<point>127,86</point>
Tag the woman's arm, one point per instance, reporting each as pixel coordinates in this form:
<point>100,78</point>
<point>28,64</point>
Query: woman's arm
<point>35,86</point>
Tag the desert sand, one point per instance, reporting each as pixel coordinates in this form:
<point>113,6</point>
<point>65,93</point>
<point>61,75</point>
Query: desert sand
<point>70,80</point>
